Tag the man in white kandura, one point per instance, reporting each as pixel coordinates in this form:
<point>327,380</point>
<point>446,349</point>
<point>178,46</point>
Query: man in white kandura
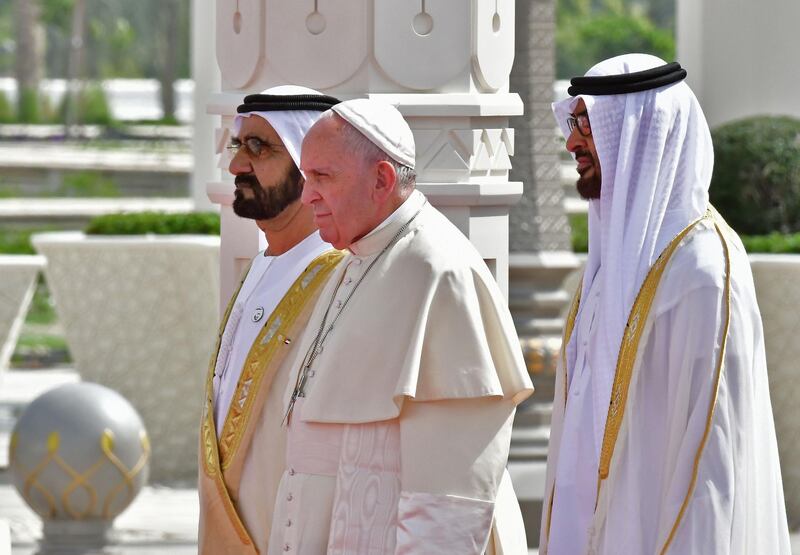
<point>400,406</point>
<point>662,438</point>
<point>242,443</point>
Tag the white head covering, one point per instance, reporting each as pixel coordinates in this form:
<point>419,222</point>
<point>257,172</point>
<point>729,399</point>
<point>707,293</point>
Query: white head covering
<point>290,125</point>
<point>382,124</point>
<point>656,158</point>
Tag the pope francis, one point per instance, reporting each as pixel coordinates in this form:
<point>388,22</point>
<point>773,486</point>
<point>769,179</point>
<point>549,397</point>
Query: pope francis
<point>403,392</point>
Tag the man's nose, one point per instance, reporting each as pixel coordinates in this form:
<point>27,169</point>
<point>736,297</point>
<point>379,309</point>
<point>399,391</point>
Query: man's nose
<point>575,141</point>
<point>240,163</point>
<point>309,194</point>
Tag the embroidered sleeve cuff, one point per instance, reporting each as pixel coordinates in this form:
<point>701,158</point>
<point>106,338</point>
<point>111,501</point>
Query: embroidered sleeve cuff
<point>442,524</point>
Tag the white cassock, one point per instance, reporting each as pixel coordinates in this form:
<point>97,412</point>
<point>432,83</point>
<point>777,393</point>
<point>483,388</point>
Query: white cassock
<point>266,283</point>
<point>400,442</point>
<point>695,464</point>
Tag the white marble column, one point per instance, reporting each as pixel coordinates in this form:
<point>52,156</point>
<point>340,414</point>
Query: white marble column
<point>205,74</point>
<point>444,63</point>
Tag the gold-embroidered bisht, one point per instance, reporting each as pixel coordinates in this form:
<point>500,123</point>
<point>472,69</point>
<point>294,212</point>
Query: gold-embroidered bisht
<point>741,375</point>
<point>222,529</point>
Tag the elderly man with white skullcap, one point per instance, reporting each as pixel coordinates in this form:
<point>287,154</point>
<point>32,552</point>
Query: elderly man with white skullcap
<point>662,437</point>
<point>242,442</point>
<point>400,405</point>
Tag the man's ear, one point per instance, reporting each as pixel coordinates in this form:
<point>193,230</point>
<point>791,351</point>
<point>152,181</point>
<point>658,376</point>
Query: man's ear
<point>385,181</point>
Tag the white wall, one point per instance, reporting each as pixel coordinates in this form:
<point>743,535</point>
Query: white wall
<point>742,56</point>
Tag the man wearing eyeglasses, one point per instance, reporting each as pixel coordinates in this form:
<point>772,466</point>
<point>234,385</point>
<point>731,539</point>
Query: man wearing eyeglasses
<point>662,436</point>
<point>581,145</point>
<point>242,442</point>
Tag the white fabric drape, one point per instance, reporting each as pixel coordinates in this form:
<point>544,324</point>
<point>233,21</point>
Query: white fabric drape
<point>656,159</point>
<point>290,125</point>
<point>737,505</point>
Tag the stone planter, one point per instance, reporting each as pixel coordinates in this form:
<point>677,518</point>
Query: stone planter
<point>140,315</point>
<point>776,278</point>
<point>18,276</point>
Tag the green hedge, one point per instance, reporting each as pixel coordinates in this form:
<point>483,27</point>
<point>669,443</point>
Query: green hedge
<point>756,181</point>
<point>91,105</point>
<point>200,223</point>
<point>775,243</point>
<point>16,242</point>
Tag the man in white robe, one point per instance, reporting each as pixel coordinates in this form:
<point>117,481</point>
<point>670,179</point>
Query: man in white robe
<point>400,406</point>
<point>662,438</point>
<point>242,442</point>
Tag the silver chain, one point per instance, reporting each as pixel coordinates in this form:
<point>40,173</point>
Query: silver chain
<point>319,339</point>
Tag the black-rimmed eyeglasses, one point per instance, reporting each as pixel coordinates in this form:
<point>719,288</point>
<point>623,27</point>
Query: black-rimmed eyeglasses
<point>581,121</point>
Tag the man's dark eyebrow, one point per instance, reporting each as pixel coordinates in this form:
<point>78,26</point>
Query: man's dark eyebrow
<point>581,113</point>
<point>265,142</point>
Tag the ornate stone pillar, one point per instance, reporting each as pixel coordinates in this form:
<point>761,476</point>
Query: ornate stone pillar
<point>541,254</point>
<point>205,74</point>
<point>444,63</point>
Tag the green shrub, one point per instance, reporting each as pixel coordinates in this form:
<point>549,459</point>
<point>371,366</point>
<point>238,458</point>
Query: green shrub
<point>91,105</point>
<point>756,181</point>
<point>88,184</point>
<point>16,242</point>
<point>584,40</point>
<point>28,106</point>
<point>580,232</point>
<point>774,243</point>
<point>202,223</point>
<point>6,109</point>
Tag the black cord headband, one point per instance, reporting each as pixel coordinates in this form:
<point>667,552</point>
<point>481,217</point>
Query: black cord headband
<point>274,102</point>
<point>628,82</point>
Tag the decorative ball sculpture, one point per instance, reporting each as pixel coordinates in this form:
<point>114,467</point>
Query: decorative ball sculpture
<point>79,455</point>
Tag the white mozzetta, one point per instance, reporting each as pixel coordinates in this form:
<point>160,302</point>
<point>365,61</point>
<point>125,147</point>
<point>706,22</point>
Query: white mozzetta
<point>18,279</point>
<point>141,317</point>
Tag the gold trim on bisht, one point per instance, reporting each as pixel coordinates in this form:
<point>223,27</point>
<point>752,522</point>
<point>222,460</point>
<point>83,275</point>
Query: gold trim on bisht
<point>627,357</point>
<point>722,229</point>
<point>629,347</point>
<point>217,456</point>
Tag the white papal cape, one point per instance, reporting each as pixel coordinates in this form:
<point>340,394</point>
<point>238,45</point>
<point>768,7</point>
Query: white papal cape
<point>689,461</point>
<point>400,442</point>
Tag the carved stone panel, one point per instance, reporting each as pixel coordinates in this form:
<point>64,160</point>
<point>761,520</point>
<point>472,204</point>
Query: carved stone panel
<point>436,31</point>
<point>493,43</point>
<point>240,40</point>
<point>319,43</point>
